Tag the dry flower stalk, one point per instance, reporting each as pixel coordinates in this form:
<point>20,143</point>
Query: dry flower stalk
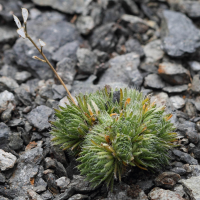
<point>22,31</point>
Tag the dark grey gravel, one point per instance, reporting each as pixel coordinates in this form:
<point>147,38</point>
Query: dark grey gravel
<point>39,116</point>
<point>177,42</point>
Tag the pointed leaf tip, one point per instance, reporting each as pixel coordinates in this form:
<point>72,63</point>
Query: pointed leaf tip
<point>18,23</point>
<point>42,44</point>
<point>25,14</point>
<point>21,32</point>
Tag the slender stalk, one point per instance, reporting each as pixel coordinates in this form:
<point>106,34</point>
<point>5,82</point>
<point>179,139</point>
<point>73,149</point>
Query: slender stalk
<point>47,61</point>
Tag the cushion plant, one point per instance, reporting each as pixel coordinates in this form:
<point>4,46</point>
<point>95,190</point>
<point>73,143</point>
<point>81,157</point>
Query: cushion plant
<point>111,129</point>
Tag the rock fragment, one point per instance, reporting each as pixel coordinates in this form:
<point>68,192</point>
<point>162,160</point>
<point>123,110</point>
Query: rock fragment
<point>39,116</point>
<point>177,42</point>
<point>174,74</point>
<point>7,160</point>
<point>154,81</point>
<point>120,67</point>
<point>191,186</point>
<point>160,194</point>
<point>167,180</point>
<point>177,101</point>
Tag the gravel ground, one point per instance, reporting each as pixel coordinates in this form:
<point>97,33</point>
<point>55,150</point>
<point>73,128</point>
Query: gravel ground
<point>153,46</point>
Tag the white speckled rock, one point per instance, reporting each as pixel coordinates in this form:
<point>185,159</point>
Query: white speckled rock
<point>191,186</point>
<point>7,160</point>
<point>160,194</point>
<point>177,101</point>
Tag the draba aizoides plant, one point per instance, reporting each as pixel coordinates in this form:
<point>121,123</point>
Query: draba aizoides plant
<point>111,129</point>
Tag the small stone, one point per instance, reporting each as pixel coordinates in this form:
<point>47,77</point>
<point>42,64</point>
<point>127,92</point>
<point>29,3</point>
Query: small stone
<point>47,195</point>
<point>51,182</point>
<point>7,160</point>
<point>191,8</point>
<point>149,67</point>
<point>85,24</point>
<point>34,195</point>
<point>179,190</point>
<point>102,56</point>
<point>66,70</point>
<point>160,99</point>
<point>194,66</point>
<point>87,60</point>
<point>59,91</point>
<point>23,94</point>
<point>154,81</point>
<point>63,183</point>
<point>3,198</point>
<point>131,7</point>
<point>27,109</point>
<point>32,156</point>
<point>191,186</point>
<point>7,6</point>
<point>136,78</point>
<point>136,24</point>
<point>49,163</point>
<point>7,34</point>
<point>21,77</point>
<point>8,71</point>
<point>160,194</point>
<point>45,92</point>
<point>7,83</point>
<point>175,89</point>
<point>5,98</point>
<point>177,101</point>
<point>67,50</point>
<point>16,122</point>
<point>177,42</point>
<point>66,195</point>
<point>78,197</point>
<point>193,136</point>
<point>23,54</point>
<point>133,45</point>
<point>39,189</point>
<point>104,38</point>
<point>4,135</point>
<point>196,84</point>
<point>69,7</point>
<point>153,51</point>
<point>2,178</point>
<point>6,115</point>
<point>16,142</point>
<point>185,157</point>
<point>190,109</point>
<point>167,180</point>
<point>36,136</point>
<point>39,116</point>
<point>174,74</point>
<point>179,170</point>
<point>80,184</point>
<point>120,67</point>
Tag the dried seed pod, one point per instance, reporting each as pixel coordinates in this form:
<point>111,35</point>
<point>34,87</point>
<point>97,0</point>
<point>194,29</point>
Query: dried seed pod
<point>21,32</point>
<point>42,44</point>
<point>25,14</point>
<point>18,23</point>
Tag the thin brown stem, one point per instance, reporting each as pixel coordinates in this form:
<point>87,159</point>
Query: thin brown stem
<point>45,58</point>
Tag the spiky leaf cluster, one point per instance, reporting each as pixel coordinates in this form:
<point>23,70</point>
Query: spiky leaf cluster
<point>111,130</point>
